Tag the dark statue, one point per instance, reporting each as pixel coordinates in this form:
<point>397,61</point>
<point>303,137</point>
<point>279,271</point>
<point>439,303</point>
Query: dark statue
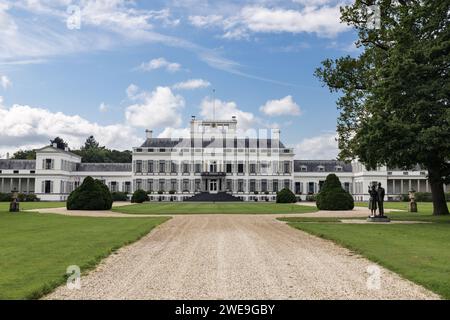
<point>380,192</point>
<point>376,201</point>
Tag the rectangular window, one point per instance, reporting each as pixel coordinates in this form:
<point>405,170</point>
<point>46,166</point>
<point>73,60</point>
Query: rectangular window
<point>162,167</point>
<point>150,166</point>
<point>287,184</point>
<point>47,186</point>
<point>173,185</point>
<point>287,167</point>
<point>252,185</point>
<point>240,168</point>
<point>173,167</point>
<point>252,168</point>
<point>138,184</point>
<point>263,185</point>
<point>161,185</point>
<point>228,168</point>
<point>240,185</point>
<point>198,167</point>
<point>275,185</point>
<point>185,185</point>
<point>48,164</point>
<point>197,185</point>
<point>113,186</point>
<point>150,185</point>
<point>127,186</point>
<point>138,166</point>
<point>185,167</point>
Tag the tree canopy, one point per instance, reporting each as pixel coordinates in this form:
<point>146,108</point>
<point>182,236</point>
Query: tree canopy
<point>394,102</point>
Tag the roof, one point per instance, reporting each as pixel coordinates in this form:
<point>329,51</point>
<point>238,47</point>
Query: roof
<point>59,150</point>
<point>104,167</point>
<point>216,143</point>
<point>328,165</point>
<point>12,164</point>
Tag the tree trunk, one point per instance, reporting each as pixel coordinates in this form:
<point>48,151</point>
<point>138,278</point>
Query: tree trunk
<point>437,192</point>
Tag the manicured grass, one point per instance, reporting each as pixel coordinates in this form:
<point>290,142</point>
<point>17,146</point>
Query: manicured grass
<point>418,252</point>
<point>424,207</point>
<point>36,249</point>
<point>4,206</point>
<point>214,208</point>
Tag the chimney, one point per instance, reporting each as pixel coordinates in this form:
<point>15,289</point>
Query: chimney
<point>7,155</point>
<point>149,133</point>
<point>233,118</point>
<point>66,148</point>
<point>55,145</point>
<point>275,134</point>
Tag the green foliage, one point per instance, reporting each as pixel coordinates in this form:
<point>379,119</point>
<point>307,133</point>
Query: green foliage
<point>426,196</point>
<point>27,197</point>
<point>60,143</point>
<point>91,195</point>
<point>119,196</point>
<point>5,197</point>
<point>333,197</point>
<point>24,155</point>
<point>394,97</point>
<point>139,196</point>
<point>286,196</point>
<point>311,197</point>
<point>92,152</point>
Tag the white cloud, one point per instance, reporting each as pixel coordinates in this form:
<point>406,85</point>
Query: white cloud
<point>37,126</point>
<point>157,109</point>
<point>322,147</point>
<point>132,91</point>
<point>174,133</point>
<point>191,84</point>
<point>159,63</point>
<point>321,17</point>
<point>225,110</point>
<point>103,107</point>
<point>5,82</point>
<point>284,106</point>
<point>206,21</point>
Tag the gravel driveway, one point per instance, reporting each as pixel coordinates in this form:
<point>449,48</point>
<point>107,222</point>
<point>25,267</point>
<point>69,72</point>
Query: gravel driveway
<point>235,257</point>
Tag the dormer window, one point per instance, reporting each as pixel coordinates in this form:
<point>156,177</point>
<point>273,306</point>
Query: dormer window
<point>320,168</point>
<point>303,168</point>
<point>338,168</point>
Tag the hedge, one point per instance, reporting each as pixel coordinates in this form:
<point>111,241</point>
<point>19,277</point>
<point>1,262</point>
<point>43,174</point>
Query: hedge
<point>139,196</point>
<point>286,196</point>
<point>333,197</point>
<point>119,196</point>
<point>90,195</point>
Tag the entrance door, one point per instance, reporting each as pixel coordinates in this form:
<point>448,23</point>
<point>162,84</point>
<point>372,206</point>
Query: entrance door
<point>213,186</point>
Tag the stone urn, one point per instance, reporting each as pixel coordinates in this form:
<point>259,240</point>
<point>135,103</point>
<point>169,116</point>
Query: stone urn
<point>412,206</point>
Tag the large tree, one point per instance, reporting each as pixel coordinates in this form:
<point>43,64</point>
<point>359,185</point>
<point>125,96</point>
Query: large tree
<point>394,97</point>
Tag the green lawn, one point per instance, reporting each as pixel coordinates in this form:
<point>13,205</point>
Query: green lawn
<point>418,252</point>
<point>4,206</point>
<point>36,249</point>
<point>217,208</point>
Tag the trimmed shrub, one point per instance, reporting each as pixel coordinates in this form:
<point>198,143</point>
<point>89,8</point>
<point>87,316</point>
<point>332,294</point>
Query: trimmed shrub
<point>310,197</point>
<point>5,197</point>
<point>119,196</point>
<point>333,197</point>
<point>139,196</point>
<point>90,195</point>
<point>286,196</point>
<point>22,197</point>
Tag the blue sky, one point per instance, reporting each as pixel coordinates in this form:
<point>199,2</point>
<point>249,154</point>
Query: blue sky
<point>114,68</point>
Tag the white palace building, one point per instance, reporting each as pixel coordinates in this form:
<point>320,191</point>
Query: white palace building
<point>216,158</point>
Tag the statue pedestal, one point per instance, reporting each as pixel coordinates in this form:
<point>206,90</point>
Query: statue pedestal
<point>378,219</point>
<point>14,206</point>
<point>412,207</point>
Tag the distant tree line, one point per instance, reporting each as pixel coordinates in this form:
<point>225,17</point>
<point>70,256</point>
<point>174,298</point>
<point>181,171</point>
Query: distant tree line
<point>90,152</point>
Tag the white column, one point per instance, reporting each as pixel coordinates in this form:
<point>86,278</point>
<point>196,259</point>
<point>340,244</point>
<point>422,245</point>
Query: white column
<point>426,185</point>
<point>401,186</point>
<point>2,185</point>
<point>28,185</point>
<point>409,184</point>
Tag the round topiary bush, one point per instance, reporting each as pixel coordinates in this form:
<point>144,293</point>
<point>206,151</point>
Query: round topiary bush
<point>286,196</point>
<point>333,197</point>
<point>90,195</point>
<point>139,196</point>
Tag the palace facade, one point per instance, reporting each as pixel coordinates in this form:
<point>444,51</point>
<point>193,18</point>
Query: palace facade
<point>215,158</point>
